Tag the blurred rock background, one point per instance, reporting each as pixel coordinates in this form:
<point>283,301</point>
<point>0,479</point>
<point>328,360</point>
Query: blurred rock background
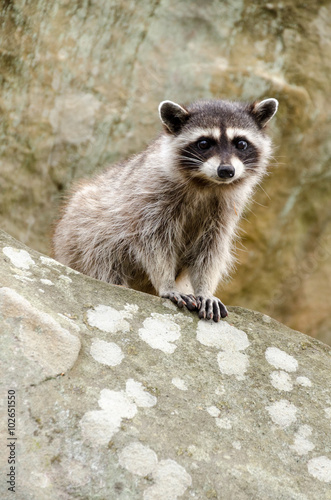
<point>80,84</point>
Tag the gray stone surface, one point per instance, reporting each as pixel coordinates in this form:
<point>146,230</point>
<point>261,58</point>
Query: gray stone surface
<point>119,395</point>
<point>80,84</point>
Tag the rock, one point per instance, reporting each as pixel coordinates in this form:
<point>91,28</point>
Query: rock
<point>120,395</point>
<point>37,337</point>
<point>80,86</point>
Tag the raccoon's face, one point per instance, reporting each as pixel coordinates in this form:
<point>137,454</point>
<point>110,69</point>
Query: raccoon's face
<point>218,141</point>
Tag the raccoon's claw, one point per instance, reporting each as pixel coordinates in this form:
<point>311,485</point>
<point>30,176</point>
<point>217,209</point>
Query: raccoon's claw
<point>175,298</point>
<point>211,308</point>
<point>182,300</point>
<point>190,302</point>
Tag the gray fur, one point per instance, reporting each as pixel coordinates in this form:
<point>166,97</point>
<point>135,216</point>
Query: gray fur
<point>144,222</point>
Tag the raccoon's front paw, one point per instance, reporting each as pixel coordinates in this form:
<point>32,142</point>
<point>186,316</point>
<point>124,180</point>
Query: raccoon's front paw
<point>181,300</point>
<point>211,308</point>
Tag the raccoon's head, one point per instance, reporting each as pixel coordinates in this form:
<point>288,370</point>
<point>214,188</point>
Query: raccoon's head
<point>219,141</point>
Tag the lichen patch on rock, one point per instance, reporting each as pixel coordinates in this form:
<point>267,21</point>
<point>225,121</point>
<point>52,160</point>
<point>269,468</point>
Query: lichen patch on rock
<point>231,341</point>
<point>99,426</point>
<point>18,257</point>
<point>160,332</point>
<point>108,319</point>
<point>281,380</point>
<point>138,459</point>
<point>179,383</point>
<point>320,468</point>
<point>304,381</point>
<point>170,479</point>
<point>281,360</point>
<point>221,336</point>
<point>107,353</point>
<point>302,445</point>
<point>282,413</point>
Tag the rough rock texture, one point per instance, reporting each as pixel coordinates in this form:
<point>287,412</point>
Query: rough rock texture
<point>119,395</point>
<point>80,84</point>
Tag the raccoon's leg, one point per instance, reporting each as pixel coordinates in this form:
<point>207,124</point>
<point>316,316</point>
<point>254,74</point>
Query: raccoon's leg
<point>205,275</point>
<point>161,269</point>
<point>116,278</point>
<point>107,269</point>
<point>168,290</point>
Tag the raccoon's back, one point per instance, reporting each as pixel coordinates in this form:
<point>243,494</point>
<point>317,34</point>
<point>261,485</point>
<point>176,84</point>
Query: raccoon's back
<point>106,213</point>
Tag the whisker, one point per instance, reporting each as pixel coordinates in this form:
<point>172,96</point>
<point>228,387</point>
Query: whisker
<point>195,155</point>
<point>191,160</point>
<point>262,189</point>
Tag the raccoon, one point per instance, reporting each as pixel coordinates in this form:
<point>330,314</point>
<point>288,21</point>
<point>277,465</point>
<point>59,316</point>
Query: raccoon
<point>164,220</point>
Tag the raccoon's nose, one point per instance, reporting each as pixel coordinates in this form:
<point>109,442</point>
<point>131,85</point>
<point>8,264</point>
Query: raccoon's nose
<point>225,171</point>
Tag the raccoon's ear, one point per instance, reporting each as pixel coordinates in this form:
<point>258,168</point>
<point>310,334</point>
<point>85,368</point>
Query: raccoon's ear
<point>263,111</point>
<point>173,116</point>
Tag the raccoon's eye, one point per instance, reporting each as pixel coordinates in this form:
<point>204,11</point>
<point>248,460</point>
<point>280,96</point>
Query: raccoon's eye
<point>241,144</point>
<point>204,144</point>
